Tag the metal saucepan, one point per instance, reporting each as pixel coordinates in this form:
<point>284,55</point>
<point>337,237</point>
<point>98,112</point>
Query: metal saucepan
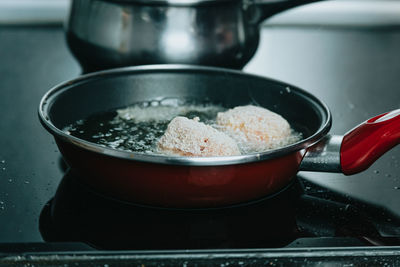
<point>173,181</point>
<point>113,33</point>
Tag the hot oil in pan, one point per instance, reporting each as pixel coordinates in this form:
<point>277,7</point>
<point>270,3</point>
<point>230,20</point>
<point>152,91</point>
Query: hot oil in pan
<point>138,127</point>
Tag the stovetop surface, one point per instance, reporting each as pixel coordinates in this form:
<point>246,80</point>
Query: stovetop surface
<point>354,71</point>
<point>301,212</point>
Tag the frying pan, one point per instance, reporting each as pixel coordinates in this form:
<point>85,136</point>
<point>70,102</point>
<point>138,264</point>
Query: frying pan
<point>202,182</point>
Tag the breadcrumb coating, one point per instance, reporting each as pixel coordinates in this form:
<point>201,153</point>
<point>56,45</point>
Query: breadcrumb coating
<point>256,127</point>
<point>189,137</point>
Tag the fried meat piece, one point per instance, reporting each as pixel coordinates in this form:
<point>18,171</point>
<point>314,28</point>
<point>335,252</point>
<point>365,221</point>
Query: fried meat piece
<point>256,127</point>
<point>189,137</point>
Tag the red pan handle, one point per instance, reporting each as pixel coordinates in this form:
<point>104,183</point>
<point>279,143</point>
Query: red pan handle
<point>368,141</point>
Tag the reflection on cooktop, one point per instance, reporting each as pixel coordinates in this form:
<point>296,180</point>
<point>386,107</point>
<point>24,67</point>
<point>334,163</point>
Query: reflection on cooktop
<point>303,210</point>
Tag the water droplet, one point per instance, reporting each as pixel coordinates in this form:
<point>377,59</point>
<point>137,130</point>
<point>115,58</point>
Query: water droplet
<point>2,208</point>
<point>3,161</point>
<point>3,168</point>
<point>396,187</point>
<point>281,92</point>
<point>388,175</point>
<point>376,171</point>
<point>10,180</point>
<point>288,89</point>
<point>26,182</point>
<point>351,106</point>
<point>1,202</point>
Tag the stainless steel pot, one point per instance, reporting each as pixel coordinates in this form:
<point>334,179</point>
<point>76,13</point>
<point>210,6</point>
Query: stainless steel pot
<point>109,33</point>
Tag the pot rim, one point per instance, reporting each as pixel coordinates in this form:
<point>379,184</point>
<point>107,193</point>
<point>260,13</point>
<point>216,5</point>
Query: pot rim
<point>173,2</point>
<point>49,97</point>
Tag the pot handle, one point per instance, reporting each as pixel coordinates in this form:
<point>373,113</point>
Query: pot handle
<point>368,141</point>
<point>268,8</point>
<point>357,149</point>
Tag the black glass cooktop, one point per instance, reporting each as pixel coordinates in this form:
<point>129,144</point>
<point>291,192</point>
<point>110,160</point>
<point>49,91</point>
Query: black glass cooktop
<point>303,212</point>
<point>354,72</point>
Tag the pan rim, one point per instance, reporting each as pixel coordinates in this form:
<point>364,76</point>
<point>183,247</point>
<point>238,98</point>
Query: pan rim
<point>178,160</point>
